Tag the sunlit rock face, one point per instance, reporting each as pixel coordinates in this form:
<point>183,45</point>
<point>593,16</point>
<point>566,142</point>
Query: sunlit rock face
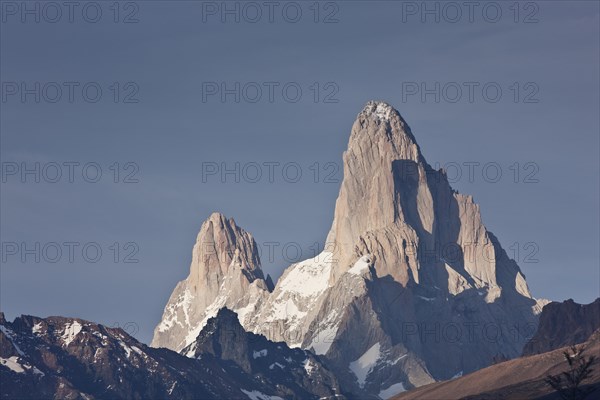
<point>225,272</point>
<point>411,288</point>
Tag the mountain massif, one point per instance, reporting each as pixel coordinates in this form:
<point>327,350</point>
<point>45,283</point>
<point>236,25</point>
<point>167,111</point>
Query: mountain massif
<point>410,289</point>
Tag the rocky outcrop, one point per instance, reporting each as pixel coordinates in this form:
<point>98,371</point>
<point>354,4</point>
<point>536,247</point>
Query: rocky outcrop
<point>564,324</point>
<point>297,373</point>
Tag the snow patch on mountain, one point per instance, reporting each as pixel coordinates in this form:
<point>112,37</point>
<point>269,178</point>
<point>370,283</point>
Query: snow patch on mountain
<point>258,354</point>
<point>287,310</point>
<point>379,109</point>
<point>308,278</point>
<point>210,312</point>
<point>365,363</point>
<point>383,111</point>
<point>126,348</point>
<point>70,332</point>
<point>186,302</point>
<point>361,265</point>
<point>325,334</point>
<point>393,390</point>
<point>458,375</point>
<point>323,340</point>
<point>309,366</point>
<point>276,364</point>
<point>10,335</point>
<point>256,395</point>
<point>396,360</point>
<point>13,364</point>
<point>242,312</point>
<point>36,329</point>
<point>183,302</point>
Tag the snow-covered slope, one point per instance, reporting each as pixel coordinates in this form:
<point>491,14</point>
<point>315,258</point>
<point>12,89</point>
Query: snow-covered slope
<point>293,305</point>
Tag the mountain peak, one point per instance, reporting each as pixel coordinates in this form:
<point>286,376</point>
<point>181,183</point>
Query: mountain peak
<point>380,110</point>
<point>382,151</point>
<point>225,314</point>
<point>217,217</point>
<point>221,243</point>
<point>403,248</point>
<point>225,271</point>
<point>380,131</point>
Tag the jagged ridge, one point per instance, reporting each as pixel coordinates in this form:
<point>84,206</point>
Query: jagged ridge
<point>70,358</point>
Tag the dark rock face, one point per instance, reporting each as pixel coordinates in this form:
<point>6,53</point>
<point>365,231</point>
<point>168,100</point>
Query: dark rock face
<point>297,372</point>
<point>564,324</point>
<point>69,358</point>
<point>60,357</point>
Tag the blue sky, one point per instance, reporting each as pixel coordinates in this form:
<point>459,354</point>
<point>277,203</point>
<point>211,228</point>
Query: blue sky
<point>544,125</point>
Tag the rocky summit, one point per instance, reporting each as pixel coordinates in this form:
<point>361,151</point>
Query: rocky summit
<point>410,289</point>
<point>225,272</point>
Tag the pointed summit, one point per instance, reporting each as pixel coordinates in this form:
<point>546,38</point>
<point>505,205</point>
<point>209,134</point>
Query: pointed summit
<point>379,109</point>
<point>222,244</point>
<point>225,271</point>
<point>382,112</point>
<point>381,122</point>
<point>393,205</point>
<point>382,151</point>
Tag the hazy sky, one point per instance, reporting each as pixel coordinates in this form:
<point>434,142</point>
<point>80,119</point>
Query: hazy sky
<point>516,92</point>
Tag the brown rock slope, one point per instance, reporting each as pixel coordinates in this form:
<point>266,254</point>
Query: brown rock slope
<point>563,324</point>
<point>521,378</point>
